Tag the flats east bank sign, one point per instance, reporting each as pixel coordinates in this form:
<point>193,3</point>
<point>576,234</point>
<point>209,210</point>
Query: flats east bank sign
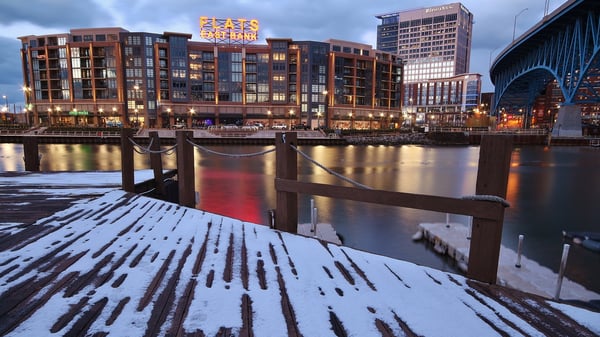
<point>242,30</point>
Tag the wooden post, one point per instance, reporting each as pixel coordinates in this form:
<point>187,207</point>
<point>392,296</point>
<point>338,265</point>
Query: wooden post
<point>156,162</point>
<point>286,214</point>
<point>31,153</point>
<point>185,169</point>
<point>486,235</point>
<point>127,169</point>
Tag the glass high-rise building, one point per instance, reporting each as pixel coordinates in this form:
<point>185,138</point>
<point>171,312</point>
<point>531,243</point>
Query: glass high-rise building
<point>434,42</point>
<point>435,45</point>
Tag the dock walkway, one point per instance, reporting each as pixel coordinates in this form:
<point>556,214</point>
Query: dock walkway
<point>452,239</point>
<point>111,263</point>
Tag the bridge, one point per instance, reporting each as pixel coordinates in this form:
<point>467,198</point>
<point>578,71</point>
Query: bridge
<point>562,47</point>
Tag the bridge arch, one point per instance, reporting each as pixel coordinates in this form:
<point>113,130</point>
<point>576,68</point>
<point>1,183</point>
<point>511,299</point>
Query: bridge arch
<point>563,47</point>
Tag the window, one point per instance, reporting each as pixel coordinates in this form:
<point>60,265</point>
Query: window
<point>279,57</point>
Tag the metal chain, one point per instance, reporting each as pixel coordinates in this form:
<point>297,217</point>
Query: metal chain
<point>330,171</point>
<point>142,149</point>
<point>232,155</point>
<point>146,150</point>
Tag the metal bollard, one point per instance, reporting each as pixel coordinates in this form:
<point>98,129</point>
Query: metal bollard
<point>447,220</point>
<point>314,224</point>
<point>271,218</point>
<point>519,249</point>
<point>312,215</point>
<point>561,271</point>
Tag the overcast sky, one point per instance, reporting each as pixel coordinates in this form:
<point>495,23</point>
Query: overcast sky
<point>316,20</point>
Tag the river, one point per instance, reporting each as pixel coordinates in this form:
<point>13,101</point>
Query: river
<point>550,189</point>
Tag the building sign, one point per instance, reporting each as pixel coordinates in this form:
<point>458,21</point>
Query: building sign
<point>229,30</point>
<point>439,9</point>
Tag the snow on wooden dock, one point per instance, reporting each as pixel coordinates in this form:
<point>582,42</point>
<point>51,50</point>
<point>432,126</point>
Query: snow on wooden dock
<point>121,264</point>
<point>453,239</point>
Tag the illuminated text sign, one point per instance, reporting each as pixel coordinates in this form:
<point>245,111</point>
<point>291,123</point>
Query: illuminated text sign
<point>242,30</point>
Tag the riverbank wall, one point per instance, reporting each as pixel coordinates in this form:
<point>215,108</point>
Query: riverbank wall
<point>267,137</point>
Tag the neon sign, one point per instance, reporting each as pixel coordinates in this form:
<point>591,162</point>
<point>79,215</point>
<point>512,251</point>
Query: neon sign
<point>232,30</point>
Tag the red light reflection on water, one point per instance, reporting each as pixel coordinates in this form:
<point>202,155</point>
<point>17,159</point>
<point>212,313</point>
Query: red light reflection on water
<point>233,194</point>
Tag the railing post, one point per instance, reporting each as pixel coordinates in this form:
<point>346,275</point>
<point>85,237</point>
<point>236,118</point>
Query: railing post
<point>31,153</point>
<point>286,214</point>
<point>185,169</point>
<point>127,173</point>
<point>486,235</point>
<point>156,161</point>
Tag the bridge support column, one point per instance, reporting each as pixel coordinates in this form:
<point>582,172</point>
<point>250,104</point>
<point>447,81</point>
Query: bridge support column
<point>568,123</point>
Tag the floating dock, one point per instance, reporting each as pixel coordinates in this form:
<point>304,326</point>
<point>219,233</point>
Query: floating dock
<point>321,231</point>
<point>452,239</point>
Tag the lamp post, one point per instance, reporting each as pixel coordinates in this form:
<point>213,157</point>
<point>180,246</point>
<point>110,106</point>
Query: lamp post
<point>5,101</point>
<point>27,92</point>
<point>370,121</point>
<point>351,121</point>
<point>318,123</point>
<point>192,112</point>
<point>269,116</point>
<point>515,24</point>
<point>291,117</point>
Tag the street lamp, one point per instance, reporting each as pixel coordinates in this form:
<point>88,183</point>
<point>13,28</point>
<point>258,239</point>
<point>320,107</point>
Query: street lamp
<point>318,117</point>
<point>269,116</point>
<point>291,117</point>
<point>515,24</point>
<point>351,121</point>
<point>192,112</point>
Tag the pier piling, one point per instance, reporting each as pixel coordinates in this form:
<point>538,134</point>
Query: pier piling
<point>127,167</point>
<point>31,154</point>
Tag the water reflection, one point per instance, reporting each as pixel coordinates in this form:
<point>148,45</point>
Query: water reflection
<point>550,190</point>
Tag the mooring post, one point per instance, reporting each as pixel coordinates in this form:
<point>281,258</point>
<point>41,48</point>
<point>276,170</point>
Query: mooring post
<point>561,271</point>
<point>519,251</point>
<point>156,161</point>
<point>486,234</point>
<point>185,169</point>
<point>31,153</point>
<point>127,171</point>
<point>286,214</point>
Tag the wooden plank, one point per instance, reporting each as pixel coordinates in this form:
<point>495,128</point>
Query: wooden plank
<point>479,208</point>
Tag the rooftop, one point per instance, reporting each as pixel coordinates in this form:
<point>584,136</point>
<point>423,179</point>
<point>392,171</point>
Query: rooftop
<point>115,263</point>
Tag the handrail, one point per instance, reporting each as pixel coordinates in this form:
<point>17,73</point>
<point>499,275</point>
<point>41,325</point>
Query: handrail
<point>488,216</point>
<point>476,208</point>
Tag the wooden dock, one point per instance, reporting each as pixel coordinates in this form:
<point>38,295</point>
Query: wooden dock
<point>452,239</point>
<point>121,264</point>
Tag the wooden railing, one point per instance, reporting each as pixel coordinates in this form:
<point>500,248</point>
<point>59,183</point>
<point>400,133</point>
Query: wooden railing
<point>488,216</point>
<point>487,212</point>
